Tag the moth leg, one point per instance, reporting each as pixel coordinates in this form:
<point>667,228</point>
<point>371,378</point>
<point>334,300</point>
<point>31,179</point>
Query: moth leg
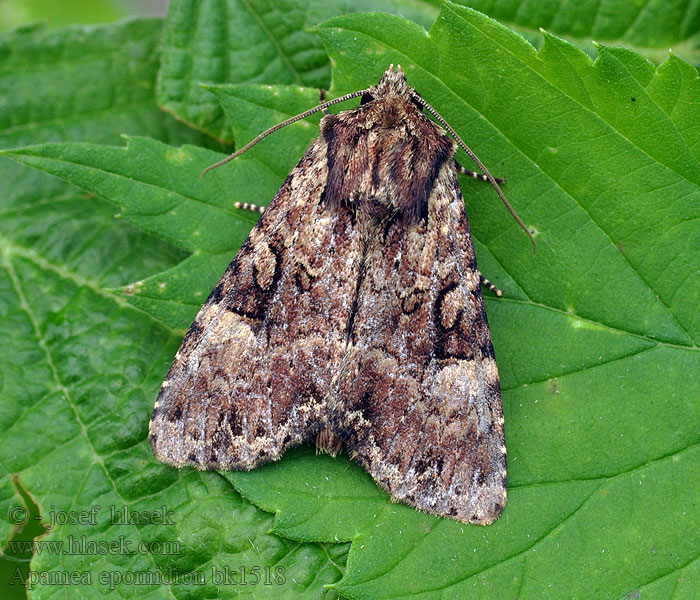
<point>489,286</point>
<point>248,206</point>
<point>475,175</point>
<point>322,99</point>
<point>481,177</point>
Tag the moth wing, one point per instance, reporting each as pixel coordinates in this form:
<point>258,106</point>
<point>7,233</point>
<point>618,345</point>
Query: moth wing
<point>251,377</point>
<point>419,403</point>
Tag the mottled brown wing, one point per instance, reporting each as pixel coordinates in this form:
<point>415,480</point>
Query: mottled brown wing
<point>252,375</point>
<point>418,403</point>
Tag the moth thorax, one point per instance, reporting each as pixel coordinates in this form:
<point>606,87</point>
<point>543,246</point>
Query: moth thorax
<point>384,158</point>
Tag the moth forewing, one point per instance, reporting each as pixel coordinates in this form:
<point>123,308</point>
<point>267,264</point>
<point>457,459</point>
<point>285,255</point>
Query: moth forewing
<point>353,312</point>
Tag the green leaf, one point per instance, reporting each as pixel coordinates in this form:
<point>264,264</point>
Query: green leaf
<point>82,83</point>
<point>82,366</point>
<point>251,41</point>
<point>651,28</point>
<point>113,72</point>
<point>596,336</point>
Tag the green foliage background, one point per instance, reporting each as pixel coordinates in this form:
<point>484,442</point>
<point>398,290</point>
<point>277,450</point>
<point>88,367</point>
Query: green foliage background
<point>109,243</point>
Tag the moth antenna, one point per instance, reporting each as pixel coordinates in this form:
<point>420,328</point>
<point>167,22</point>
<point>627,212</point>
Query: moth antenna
<point>478,163</point>
<point>274,128</point>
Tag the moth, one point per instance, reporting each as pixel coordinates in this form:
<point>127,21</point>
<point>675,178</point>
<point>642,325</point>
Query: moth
<point>352,314</point>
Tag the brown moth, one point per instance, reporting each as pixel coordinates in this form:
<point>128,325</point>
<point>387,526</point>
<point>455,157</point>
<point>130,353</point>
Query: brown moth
<point>352,314</point>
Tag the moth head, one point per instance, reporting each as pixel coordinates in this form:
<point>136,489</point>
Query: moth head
<point>394,94</point>
<point>391,83</point>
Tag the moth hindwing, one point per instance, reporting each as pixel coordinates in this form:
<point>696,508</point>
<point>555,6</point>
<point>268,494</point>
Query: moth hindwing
<point>353,312</point>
